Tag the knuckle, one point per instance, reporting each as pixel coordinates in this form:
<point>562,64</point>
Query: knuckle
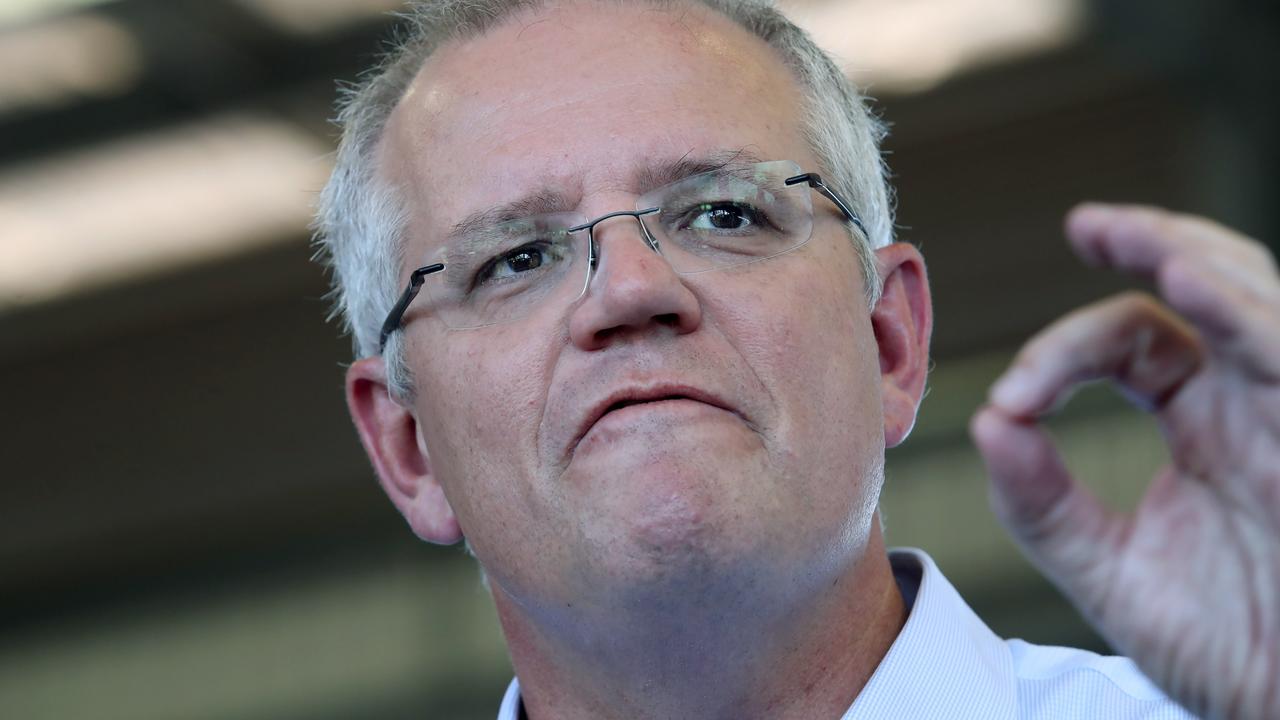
<point>1158,221</point>
<point>1134,310</point>
<point>1138,302</point>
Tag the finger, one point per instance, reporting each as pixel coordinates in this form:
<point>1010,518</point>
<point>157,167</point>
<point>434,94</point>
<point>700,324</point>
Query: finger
<point>1223,282</point>
<point>1237,325</point>
<point>1139,239</point>
<point>1059,524</point>
<point>1149,351</point>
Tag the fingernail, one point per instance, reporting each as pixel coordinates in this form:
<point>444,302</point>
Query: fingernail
<point>1013,392</point>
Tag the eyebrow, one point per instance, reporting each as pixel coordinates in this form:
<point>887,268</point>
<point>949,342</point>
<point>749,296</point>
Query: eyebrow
<point>647,177</point>
<point>542,202</point>
<point>651,177</point>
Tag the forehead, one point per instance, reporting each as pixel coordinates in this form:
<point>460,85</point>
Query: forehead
<point>574,98</point>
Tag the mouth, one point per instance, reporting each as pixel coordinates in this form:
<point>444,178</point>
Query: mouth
<point>644,396</point>
<point>630,403</point>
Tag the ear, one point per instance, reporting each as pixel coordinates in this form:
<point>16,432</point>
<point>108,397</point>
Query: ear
<point>903,322</point>
<point>389,432</point>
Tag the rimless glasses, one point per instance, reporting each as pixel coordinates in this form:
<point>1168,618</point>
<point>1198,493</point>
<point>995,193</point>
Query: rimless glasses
<point>724,218</point>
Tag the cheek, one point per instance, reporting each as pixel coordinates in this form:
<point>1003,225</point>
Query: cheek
<point>480,411</point>
<point>833,360</point>
<point>847,357</point>
<point>810,336</point>
<point>841,427</point>
<point>811,343</point>
<point>484,448</point>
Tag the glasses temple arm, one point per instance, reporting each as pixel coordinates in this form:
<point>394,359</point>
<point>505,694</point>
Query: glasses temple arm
<point>392,323</point>
<point>814,180</point>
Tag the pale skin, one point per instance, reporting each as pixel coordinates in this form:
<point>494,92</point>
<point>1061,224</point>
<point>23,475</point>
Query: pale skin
<point>1188,584</point>
<point>624,575</point>
<point>681,560</point>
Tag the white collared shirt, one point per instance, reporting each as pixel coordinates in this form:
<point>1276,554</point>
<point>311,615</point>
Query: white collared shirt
<point>946,663</point>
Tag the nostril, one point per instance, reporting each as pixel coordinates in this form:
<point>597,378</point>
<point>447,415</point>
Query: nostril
<point>602,336</point>
<point>668,319</point>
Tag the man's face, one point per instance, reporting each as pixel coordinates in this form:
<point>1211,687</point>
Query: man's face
<point>769,470</point>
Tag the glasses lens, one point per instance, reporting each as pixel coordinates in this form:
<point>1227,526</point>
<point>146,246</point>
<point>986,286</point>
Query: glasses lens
<point>732,216</point>
<point>508,271</point>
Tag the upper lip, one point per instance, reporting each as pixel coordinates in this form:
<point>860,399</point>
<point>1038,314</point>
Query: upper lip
<point>645,393</point>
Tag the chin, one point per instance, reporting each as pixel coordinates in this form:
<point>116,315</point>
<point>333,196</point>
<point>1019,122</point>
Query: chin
<point>675,548</point>
<point>651,538</point>
<point>672,531</point>
<point>679,522</point>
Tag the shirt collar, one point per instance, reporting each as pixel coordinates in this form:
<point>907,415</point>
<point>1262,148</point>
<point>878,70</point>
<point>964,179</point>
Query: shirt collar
<point>511,708</point>
<point>945,662</point>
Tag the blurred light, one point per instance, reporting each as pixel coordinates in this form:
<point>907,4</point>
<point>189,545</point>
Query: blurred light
<point>316,17</point>
<point>141,206</point>
<point>912,45</point>
<point>59,60</point>
<point>14,11</point>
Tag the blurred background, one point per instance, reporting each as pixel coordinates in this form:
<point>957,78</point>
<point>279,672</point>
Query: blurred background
<point>188,527</point>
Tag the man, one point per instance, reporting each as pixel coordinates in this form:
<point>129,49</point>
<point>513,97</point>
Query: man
<point>631,322</point>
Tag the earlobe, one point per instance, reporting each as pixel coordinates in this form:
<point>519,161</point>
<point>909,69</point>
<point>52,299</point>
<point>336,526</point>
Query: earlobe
<point>390,435</point>
<point>903,323</point>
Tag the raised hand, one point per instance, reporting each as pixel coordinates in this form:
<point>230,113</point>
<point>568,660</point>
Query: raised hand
<point>1188,585</point>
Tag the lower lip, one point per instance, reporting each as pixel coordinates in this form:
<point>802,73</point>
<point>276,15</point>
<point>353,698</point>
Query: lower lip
<point>612,423</point>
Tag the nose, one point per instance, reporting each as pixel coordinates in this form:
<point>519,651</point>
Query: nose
<point>633,290</point>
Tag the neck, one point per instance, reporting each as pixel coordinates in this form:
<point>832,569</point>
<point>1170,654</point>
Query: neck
<point>712,657</point>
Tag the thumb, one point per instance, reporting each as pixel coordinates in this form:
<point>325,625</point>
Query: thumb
<point>1059,524</point>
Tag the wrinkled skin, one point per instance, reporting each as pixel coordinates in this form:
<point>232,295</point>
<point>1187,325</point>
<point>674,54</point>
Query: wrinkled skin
<point>1188,585</point>
<point>627,550</point>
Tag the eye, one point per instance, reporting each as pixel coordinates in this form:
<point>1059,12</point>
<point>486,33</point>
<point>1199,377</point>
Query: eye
<point>519,263</point>
<point>521,260</point>
<point>721,216</point>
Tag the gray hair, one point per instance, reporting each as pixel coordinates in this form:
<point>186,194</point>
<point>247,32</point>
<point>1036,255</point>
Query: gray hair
<point>359,222</point>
